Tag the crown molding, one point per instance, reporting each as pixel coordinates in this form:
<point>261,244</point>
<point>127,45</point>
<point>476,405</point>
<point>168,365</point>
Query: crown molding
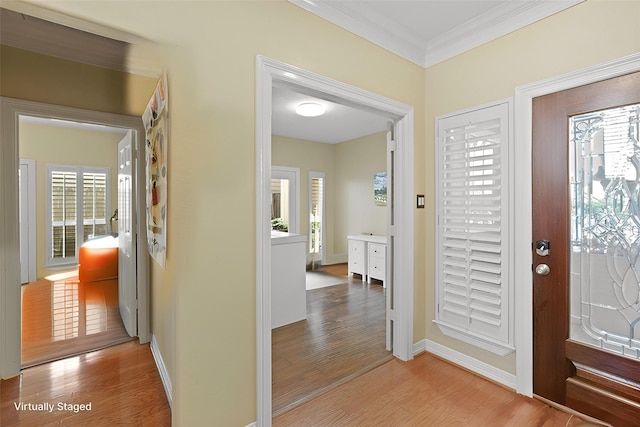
<point>506,18</point>
<point>371,26</point>
<point>500,21</point>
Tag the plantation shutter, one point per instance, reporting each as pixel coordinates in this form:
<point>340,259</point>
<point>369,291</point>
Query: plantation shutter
<point>316,215</point>
<point>473,287</point>
<point>77,210</point>
<point>94,204</point>
<point>63,214</point>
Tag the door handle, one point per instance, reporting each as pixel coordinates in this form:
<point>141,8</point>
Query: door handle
<point>543,269</point>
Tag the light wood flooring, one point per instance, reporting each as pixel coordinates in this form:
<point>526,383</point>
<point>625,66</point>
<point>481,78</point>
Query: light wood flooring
<point>65,317</point>
<point>342,337</point>
<point>120,383</point>
<point>426,391</point>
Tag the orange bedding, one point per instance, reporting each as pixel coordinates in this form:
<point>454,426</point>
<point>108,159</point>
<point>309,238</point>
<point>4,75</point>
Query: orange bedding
<point>98,260</point>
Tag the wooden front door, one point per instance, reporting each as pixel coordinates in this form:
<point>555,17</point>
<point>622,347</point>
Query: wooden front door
<point>586,248</point>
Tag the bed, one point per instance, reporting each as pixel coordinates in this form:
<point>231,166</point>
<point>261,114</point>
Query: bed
<point>98,259</point>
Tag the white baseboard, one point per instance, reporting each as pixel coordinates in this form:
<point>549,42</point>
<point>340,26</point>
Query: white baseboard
<point>162,369</point>
<point>467,362</point>
<point>253,424</point>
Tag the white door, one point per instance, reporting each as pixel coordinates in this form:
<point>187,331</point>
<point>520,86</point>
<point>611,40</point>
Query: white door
<point>388,280</point>
<point>127,287</point>
<point>27,195</point>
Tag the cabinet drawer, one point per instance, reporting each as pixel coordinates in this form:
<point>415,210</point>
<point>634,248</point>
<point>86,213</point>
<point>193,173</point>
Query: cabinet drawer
<point>376,263</point>
<point>376,250</point>
<point>376,268</point>
<point>357,257</point>
<point>356,247</point>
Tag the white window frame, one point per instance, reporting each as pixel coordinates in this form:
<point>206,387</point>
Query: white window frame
<point>293,175</point>
<point>52,262</point>
<point>464,326</point>
<point>323,176</point>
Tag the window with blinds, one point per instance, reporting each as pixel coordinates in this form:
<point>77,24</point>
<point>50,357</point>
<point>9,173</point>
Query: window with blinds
<point>77,209</point>
<point>94,205</point>
<point>473,286</point>
<point>63,214</point>
<point>315,229</point>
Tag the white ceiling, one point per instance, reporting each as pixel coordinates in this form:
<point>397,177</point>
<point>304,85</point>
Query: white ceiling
<point>339,123</point>
<point>430,31</point>
<point>423,31</point>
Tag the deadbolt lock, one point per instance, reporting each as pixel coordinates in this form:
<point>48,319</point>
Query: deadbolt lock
<point>542,247</point>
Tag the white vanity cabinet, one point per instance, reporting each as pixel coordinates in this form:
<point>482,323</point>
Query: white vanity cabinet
<point>367,256</point>
<point>376,261</point>
<point>357,261</point>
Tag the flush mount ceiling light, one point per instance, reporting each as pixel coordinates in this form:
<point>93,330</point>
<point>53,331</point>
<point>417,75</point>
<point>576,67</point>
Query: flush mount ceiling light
<point>310,109</point>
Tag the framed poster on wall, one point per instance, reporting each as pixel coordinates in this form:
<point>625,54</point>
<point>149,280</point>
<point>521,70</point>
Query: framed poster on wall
<point>155,120</point>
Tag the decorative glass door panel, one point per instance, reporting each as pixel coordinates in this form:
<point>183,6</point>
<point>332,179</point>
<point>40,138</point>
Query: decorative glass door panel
<point>605,229</point>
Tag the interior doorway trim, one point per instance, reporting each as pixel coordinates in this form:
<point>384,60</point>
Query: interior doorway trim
<point>27,191</point>
<point>10,291</point>
<point>270,72</point>
<point>523,258</point>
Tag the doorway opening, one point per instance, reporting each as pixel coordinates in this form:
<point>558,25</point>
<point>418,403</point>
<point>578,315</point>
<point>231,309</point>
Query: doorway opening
<point>72,304</point>
<point>400,233</point>
<point>78,308</point>
<point>346,312</point>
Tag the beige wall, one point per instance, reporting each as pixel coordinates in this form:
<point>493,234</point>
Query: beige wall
<point>212,83</point>
<point>65,146</point>
<point>26,75</point>
<point>590,33</point>
<point>211,69</point>
<point>356,161</point>
<point>308,156</point>
<point>349,168</point>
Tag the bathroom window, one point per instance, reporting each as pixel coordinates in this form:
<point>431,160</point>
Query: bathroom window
<point>77,209</point>
<point>473,289</point>
<point>285,193</point>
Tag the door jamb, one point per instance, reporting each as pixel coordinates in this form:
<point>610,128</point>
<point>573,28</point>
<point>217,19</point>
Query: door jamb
<point>31,216</point>
<point>523,219</point>
<point>10,307</point>
<point>269,72</point>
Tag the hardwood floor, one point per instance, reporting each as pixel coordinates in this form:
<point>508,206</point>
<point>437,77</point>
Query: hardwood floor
<point>65,317</point>
<point>426,391</point>
<point>342,337</point>
<point>119,385</point>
